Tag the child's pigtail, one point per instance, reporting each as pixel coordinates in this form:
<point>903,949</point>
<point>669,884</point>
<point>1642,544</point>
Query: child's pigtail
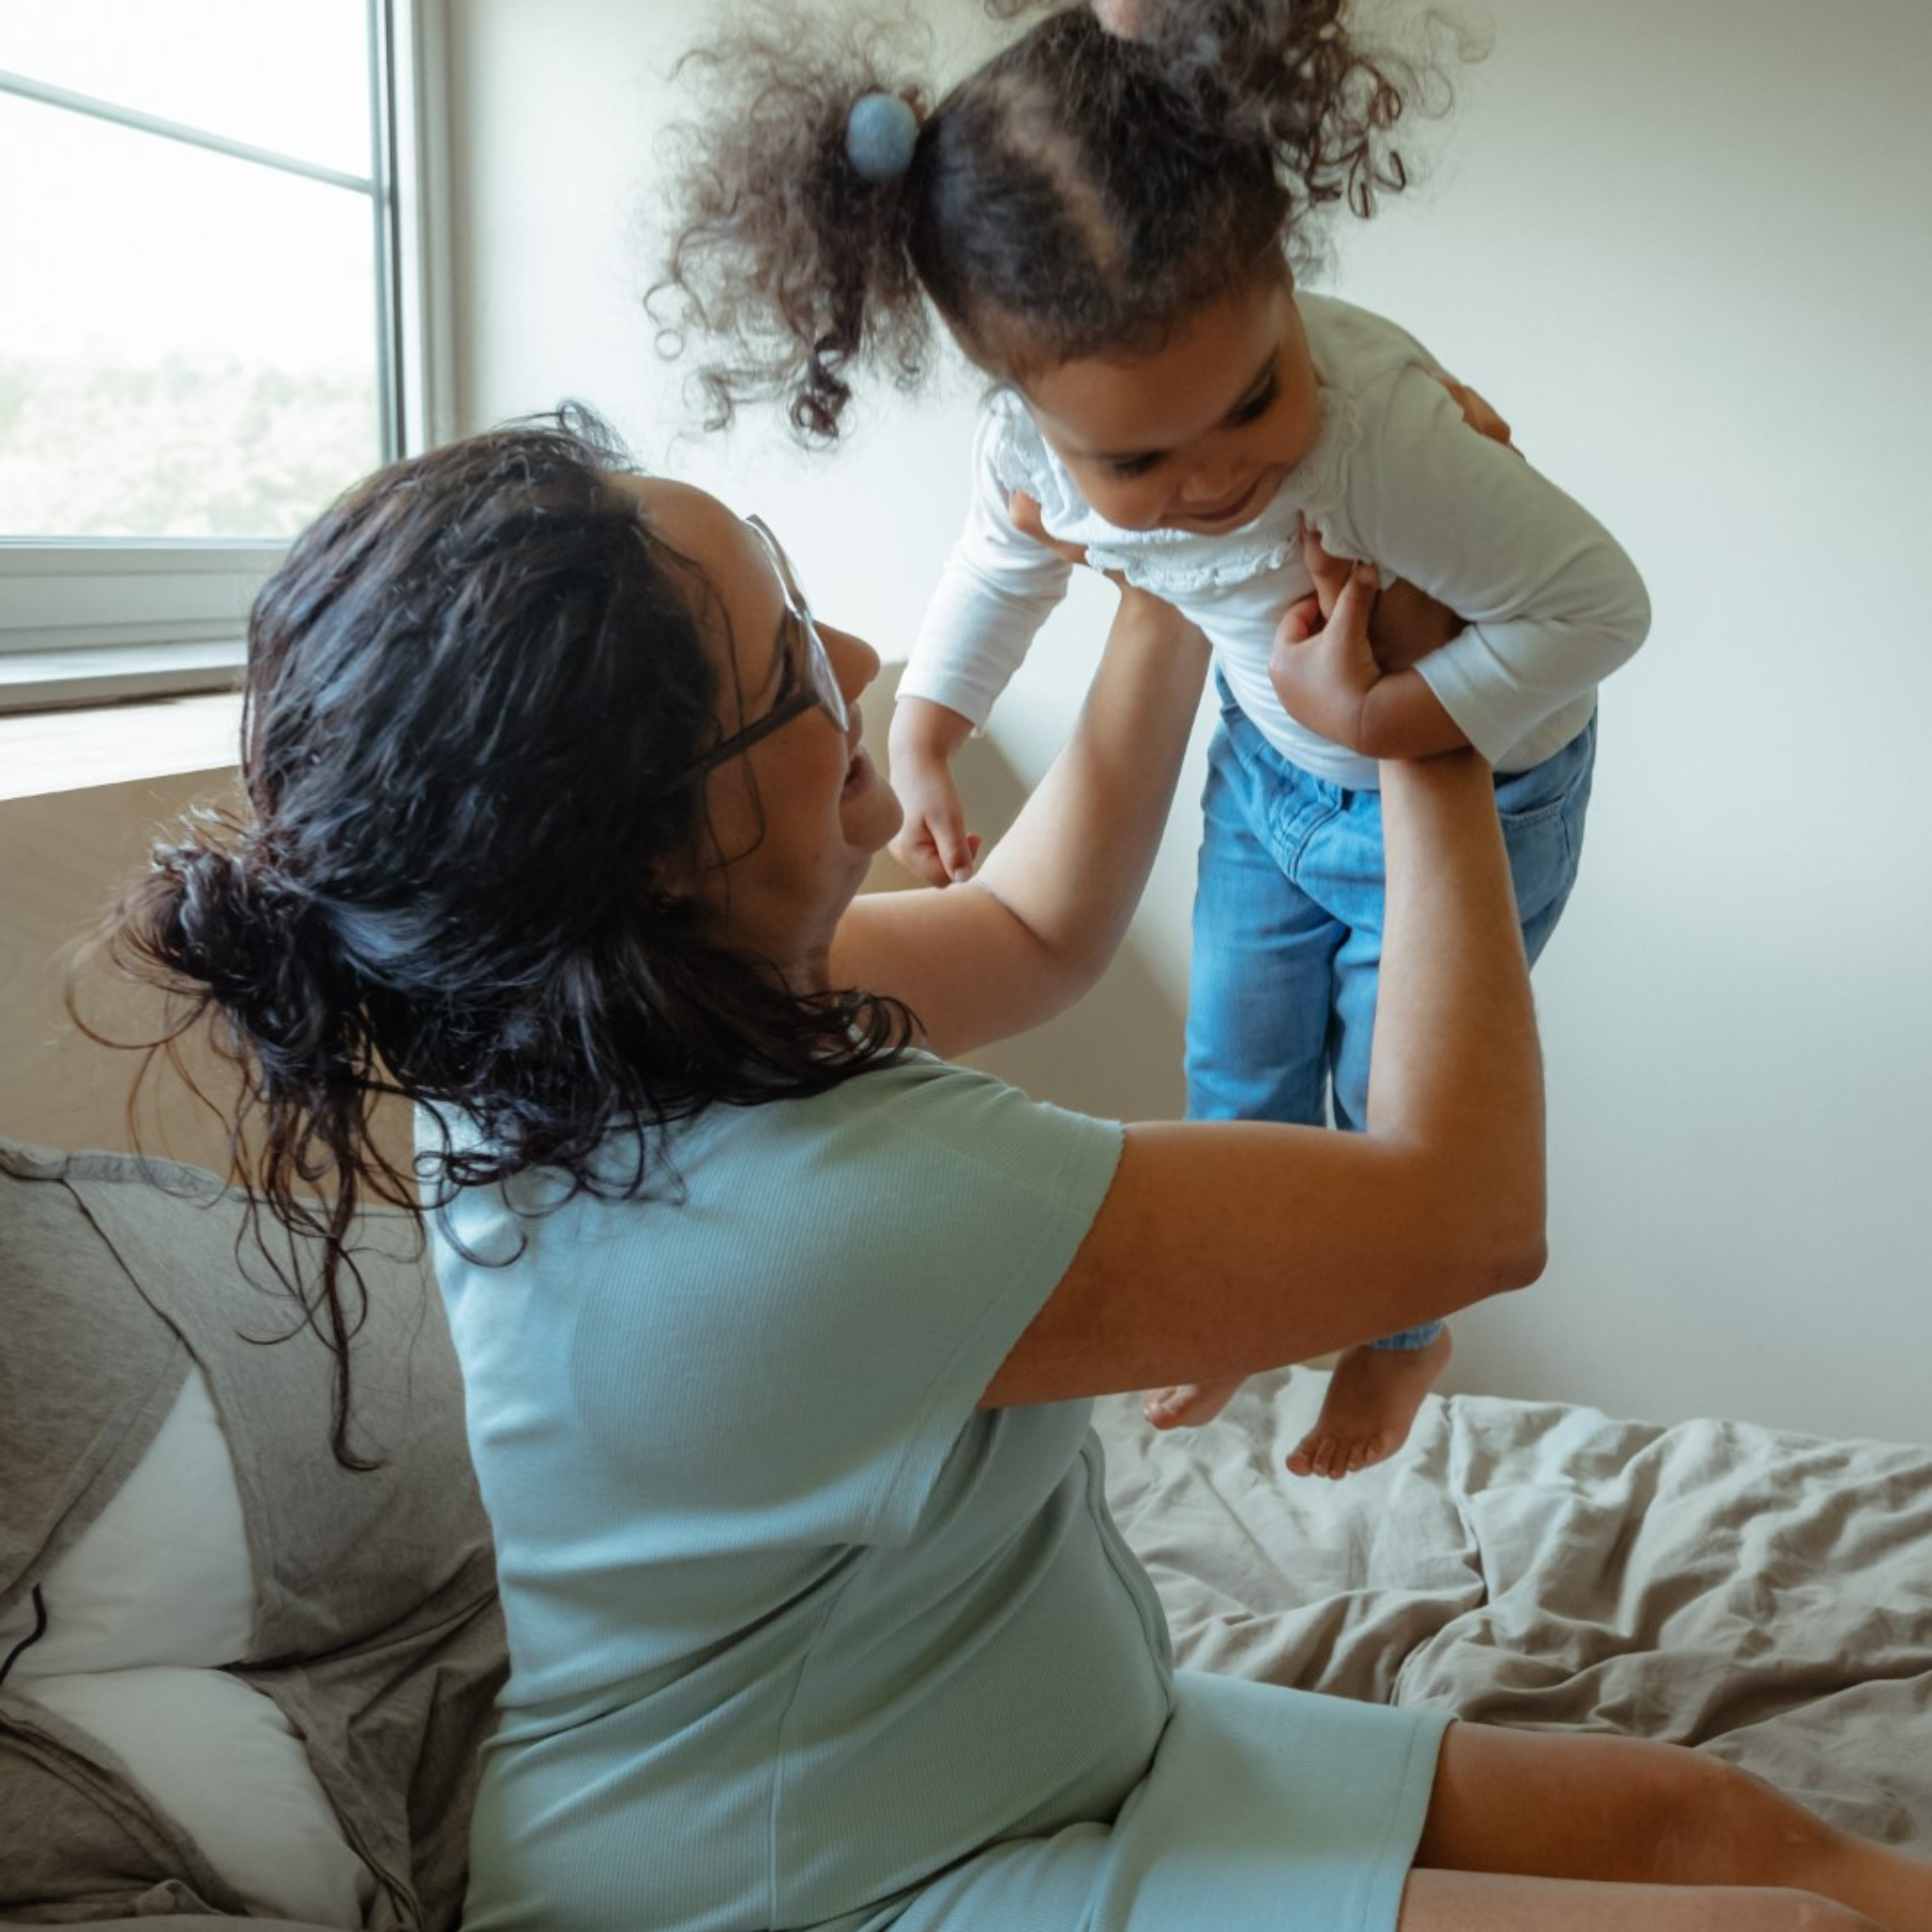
<point>1324,99</point>
<point>790,209</point>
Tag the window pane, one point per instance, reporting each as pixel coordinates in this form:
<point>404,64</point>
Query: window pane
<point>187,347</point>
<point>287,75</point>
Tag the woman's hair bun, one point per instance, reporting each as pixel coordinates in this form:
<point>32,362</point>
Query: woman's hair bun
<point>229,923</point>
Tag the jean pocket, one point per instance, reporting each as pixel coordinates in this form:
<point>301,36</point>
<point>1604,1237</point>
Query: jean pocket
<point>1543,813</point>
<point>1554,789</point>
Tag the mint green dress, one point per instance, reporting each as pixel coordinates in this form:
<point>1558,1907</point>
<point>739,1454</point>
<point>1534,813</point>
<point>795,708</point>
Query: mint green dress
<point>801,1637</point>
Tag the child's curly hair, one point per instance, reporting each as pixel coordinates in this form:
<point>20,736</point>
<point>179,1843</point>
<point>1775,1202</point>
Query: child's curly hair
<point>1079,192</point>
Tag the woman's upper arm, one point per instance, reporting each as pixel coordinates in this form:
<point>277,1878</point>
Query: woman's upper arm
<point>1228,1247</point>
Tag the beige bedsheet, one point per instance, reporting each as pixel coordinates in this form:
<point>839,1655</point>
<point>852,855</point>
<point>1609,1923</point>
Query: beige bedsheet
<point>1766,1596</point>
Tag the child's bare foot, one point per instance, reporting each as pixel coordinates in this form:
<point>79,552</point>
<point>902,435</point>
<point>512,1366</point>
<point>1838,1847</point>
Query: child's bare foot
<point>1372,1400</point>
<point>1189,1404</point>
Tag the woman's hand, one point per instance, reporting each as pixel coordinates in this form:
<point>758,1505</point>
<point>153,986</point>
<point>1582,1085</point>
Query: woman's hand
<point>1404,624</point>
<point>1323,666</point>
<point>1478,411</point>
<point>1025,511</point>
<point>1365,695</point>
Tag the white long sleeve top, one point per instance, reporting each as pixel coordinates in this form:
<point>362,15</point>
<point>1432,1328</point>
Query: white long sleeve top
<point>1553,603</point>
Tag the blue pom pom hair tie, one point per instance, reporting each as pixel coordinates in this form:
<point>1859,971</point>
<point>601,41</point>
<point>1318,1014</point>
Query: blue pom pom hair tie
<point>879,134</point>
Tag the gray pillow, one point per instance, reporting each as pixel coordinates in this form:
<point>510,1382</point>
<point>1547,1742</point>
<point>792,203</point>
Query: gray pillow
<point>376,1628</point>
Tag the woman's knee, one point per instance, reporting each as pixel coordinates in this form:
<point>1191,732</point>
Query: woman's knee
<point>1718,1823</point>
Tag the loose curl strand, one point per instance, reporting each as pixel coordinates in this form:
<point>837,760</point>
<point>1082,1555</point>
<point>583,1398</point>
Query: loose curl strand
<point>1079,193</point>
<point>765,184</point>
<point>474,687</point>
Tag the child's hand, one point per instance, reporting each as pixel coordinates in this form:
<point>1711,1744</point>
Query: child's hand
<point>1323,666</point>
<point>932,842</point>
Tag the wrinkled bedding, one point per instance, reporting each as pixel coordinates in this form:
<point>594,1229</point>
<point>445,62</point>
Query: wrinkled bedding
<point>1765,1596</point>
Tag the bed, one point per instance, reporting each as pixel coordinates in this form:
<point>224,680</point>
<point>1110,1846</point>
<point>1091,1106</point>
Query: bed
<point>1760,1595</point>
<point>237,1683</point>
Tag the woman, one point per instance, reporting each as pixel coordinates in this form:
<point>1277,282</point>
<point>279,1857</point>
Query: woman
<point>778,1329</point>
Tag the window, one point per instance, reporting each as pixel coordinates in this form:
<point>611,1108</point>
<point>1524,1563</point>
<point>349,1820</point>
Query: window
<point>215,316</point>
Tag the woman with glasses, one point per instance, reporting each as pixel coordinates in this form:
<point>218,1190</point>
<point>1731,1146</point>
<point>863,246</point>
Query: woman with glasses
<point>778,1327</point>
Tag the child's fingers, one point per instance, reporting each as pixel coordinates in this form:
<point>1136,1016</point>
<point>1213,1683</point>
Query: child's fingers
<point>914,849</point>
<point>936,845</point>
<point>958,849</point>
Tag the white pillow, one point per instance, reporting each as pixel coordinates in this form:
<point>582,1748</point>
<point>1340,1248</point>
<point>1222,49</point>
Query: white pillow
<point>219,1759</point>
<point>161,1575</point>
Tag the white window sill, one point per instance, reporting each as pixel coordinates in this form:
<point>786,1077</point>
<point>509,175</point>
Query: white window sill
<point>45,752</point>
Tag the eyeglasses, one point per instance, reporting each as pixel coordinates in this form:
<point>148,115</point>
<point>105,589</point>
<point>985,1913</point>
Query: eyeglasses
<point>818,689</point>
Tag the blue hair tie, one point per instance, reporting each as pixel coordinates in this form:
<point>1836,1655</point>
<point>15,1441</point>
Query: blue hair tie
<point>879,134</point>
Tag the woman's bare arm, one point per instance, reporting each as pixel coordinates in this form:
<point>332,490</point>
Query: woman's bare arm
<point>1037,923</point>
<point>1227,1247</point>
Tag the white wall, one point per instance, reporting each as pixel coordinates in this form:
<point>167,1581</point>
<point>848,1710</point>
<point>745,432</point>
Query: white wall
<point>1687,248</point>
<point>1690,248</point>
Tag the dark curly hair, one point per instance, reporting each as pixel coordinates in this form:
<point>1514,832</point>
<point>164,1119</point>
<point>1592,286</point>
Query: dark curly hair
<point>472,687</point>
<point>1080,193</point>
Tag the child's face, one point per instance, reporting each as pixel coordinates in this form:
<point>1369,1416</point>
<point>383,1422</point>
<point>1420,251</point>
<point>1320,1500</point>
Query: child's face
<point>1198,435</point>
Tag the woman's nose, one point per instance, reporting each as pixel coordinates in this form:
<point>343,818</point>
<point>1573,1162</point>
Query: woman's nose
<point>854,661</point>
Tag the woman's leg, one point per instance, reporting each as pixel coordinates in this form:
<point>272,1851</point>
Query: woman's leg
<point>1479,1901</point>
<point>1624,1812</point>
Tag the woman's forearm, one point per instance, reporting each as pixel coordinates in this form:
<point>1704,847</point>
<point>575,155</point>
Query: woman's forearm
<point>1456,1067</point>
<point>1074,862</point>
<point>1227,1247</point>
<point>1036,926</point>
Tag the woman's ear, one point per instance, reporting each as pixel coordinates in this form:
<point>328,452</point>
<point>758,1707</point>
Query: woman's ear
<point>670,881</point>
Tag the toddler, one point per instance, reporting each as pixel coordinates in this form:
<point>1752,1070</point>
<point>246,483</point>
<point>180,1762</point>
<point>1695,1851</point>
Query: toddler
<point>1110,222</point>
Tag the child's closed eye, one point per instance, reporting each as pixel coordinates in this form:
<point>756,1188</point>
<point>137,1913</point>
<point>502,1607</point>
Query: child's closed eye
<point>1257,405</point>
<point>1249,410</point>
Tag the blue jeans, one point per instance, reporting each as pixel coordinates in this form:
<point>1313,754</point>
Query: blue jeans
<point>1288,925</point>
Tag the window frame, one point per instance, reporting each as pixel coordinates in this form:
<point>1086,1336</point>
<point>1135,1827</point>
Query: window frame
<point>93,620</point>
